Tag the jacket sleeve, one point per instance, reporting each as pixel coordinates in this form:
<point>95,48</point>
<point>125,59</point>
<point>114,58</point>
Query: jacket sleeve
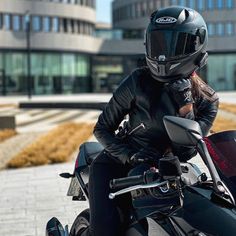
<point>205,111</point>
<point>114,112</point>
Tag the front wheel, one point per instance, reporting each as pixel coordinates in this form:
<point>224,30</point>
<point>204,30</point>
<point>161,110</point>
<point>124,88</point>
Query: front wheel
<point>81,222</point>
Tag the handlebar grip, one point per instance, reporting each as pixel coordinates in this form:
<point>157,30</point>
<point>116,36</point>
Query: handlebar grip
<point>127,181</point>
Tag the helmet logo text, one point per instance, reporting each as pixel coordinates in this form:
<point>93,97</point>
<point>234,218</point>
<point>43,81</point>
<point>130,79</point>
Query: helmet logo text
<point>166,20</point>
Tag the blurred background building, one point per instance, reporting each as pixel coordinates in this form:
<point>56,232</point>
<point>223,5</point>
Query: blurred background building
<point>57,47</point>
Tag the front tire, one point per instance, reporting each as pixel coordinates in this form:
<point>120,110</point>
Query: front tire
<point>81,222</point>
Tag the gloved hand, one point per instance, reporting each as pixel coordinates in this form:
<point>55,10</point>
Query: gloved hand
<point>181,92</point>
<point>145,155</point>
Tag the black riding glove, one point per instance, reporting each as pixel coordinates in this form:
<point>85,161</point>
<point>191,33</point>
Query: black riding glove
<point>181,92</point>
<point>145,155</point>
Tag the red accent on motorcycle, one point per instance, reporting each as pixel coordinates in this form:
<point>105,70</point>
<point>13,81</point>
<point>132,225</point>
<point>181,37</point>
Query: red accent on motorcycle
<point>218,159</point>
<point>77,162</point>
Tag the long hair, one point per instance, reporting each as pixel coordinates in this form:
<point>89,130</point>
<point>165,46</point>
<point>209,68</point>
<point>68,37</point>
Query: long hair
<point>200,88</point>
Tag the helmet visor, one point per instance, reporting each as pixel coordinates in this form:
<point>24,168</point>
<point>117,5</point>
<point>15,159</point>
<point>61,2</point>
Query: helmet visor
<point>167,45</point>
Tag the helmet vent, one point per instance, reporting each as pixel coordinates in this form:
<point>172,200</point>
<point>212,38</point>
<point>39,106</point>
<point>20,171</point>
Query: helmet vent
<point>186,13</point>
<point>183,16</point>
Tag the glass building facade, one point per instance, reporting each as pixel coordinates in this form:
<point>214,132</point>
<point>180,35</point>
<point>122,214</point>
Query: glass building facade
<point>221,71</point>
<point>108,71</point>
<point>63,73</point>
<point>51,73</point>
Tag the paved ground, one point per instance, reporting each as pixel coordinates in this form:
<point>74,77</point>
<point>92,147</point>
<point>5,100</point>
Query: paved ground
<point>229,96</point>
<point>31,196</point>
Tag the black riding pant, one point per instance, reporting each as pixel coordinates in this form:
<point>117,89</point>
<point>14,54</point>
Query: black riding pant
<point>105,218</point>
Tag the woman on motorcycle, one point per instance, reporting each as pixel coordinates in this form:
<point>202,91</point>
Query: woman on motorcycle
<point>176,40</point>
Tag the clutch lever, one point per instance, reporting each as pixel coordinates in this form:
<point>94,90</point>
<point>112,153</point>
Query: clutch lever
<point>140,186</point>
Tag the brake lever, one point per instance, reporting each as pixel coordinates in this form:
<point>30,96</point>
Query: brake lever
<point>140,186</point>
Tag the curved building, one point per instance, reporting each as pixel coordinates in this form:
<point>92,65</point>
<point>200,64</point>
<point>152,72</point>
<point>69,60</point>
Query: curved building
<point>132,17</point>
<point>56,36</point>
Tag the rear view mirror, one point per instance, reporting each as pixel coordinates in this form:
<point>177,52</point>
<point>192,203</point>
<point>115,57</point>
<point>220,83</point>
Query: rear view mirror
<point>182,131</point>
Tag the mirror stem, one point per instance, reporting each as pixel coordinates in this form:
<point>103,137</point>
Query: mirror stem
<point>203,151</point>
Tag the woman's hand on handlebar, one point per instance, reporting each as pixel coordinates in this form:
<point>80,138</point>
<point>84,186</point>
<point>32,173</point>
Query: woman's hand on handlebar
<point>145,155</point>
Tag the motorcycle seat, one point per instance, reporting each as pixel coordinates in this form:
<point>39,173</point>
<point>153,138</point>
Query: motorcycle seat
<point>90,151</point>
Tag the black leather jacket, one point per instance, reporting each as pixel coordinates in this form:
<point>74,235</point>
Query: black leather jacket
<point>146,101</point>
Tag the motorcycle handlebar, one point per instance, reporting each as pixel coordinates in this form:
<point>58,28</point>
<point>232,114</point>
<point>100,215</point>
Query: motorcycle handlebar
<point>127,181</point>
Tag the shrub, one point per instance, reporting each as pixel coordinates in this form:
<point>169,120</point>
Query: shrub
<point>55,147</point>
<point>228,107</point>
<point>221,124</point>
<point>6,133</point>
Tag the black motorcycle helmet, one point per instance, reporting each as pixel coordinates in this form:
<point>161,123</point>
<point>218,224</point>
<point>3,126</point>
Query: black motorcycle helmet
<point>175,40</point>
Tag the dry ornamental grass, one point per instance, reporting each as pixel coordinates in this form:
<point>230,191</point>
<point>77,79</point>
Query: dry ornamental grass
<point>222,124</point>
<point>54,147</point>
<point>228,107</point>
<point>58,145</point>
<point>6,134</point>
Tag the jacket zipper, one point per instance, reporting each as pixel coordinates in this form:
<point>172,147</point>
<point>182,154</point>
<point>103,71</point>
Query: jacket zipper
<point>137,128</point>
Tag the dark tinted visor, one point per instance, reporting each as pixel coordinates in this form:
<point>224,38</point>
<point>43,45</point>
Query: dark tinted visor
<point>171,44</point>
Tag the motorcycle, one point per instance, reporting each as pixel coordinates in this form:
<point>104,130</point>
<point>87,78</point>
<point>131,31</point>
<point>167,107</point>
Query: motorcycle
<point>177,198</point>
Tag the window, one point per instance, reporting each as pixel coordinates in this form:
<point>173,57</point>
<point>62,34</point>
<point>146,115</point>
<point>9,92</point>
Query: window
<point>200,5</point>
<point>7,21</point>
<point>1,23</point>
<point>220,4</point>
<point>26,22</point>
<point>72,25</point>
<point>150,7</point>
<point>55,24</point>
<point>128,11</point>
<point>229,29</point>
<point>133,13</point>
<point>46,24</point>
<point>173,2</point>
<point>211,29</point>
<point>65,27</point>
<point>79,26</point>
<point>191,4</point>
<point>36,23</point>
<point>162,3</point>
<point>138,9</point>
<point>220,29</point>
<point>16,23</point>
<point>182,2</point>
<point>93,3</point>
<point>143,8</point>
<point>210,4</point>
<point>229,3</point>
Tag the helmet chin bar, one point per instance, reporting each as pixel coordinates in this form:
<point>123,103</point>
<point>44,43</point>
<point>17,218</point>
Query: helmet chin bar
<point>159,71</point>
<point>167,71</point>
